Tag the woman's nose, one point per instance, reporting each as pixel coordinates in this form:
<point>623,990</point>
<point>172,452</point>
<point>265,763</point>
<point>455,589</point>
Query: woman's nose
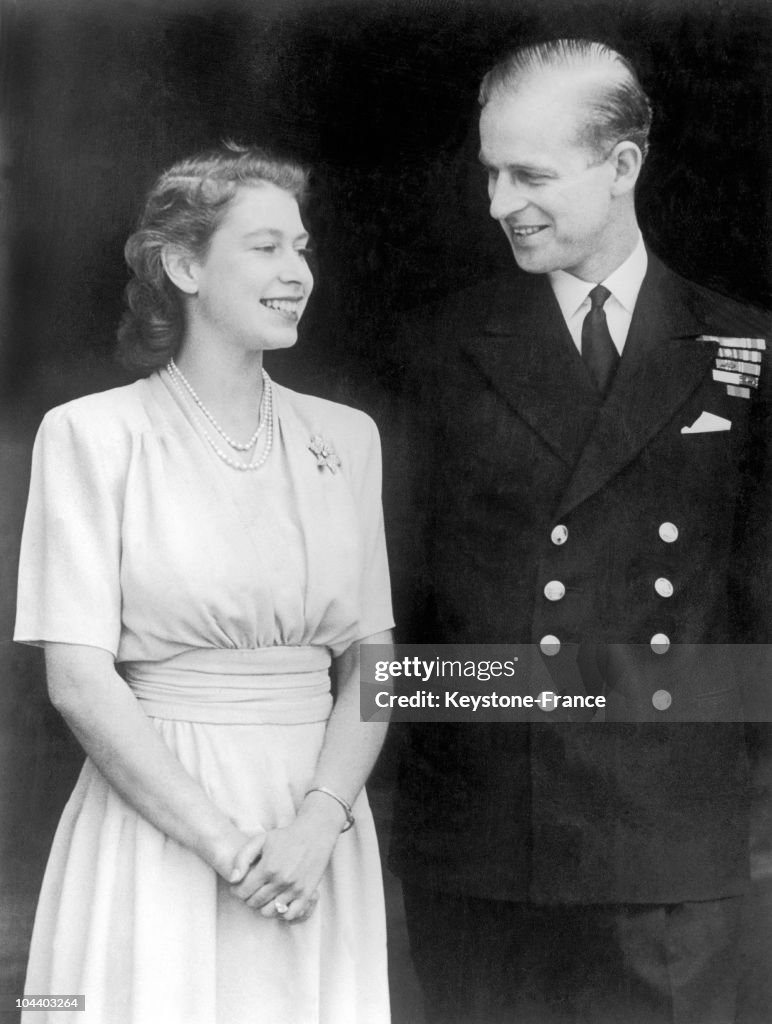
<point>295,268</point>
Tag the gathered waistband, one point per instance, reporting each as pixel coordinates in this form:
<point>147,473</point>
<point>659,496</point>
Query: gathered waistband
<point>264,686</point>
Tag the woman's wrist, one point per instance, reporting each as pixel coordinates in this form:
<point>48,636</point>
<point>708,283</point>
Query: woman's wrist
<point>344,805</point>
<point>220,850</point>
<point>324,813</point>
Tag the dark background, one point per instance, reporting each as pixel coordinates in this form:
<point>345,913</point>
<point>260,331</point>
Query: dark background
<point>380,99</point>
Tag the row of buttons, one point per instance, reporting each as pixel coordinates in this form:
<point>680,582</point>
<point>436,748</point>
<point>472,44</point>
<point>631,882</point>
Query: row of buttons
<point>668,532</point>
<point>555,590</point>
<point>550,645</point>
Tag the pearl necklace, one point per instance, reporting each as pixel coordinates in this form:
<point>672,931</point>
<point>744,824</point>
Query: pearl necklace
<point>266,420</point>
<point>174,369</point>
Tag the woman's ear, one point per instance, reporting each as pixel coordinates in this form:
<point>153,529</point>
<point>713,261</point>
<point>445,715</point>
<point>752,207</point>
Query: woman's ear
<point>180,268</point>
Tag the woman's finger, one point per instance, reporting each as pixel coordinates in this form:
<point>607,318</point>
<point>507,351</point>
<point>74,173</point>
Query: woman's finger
<point>301,910</point>
<point>246,857</point>
<point>274,901</point>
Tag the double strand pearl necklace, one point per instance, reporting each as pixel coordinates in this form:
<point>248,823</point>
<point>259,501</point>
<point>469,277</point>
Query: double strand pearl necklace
<point>179,380</point>
<point>174,369</point>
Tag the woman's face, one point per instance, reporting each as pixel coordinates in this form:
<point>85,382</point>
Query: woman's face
<point>253,283</point>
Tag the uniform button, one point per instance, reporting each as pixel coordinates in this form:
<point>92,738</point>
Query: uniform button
<point>668,532</point>
<point>663,587</point>
<point>546,701</point>
<point>559,535</point>
<point>661,700</point>
<point>554,590</point>
<point>660,643</point>
<point>550,645</point>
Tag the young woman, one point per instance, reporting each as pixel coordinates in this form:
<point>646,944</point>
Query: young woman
<point>201,548</point>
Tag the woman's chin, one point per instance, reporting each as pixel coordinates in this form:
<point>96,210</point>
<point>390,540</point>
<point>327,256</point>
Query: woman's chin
<point>272,340</point>
<point>286,341</point>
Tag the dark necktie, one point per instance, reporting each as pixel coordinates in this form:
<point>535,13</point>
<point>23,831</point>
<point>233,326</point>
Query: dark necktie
<point>598,350</point>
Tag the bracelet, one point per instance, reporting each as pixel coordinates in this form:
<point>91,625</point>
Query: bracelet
<point>339,799</point>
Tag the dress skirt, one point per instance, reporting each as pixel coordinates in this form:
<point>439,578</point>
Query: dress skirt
<point>147,932</point>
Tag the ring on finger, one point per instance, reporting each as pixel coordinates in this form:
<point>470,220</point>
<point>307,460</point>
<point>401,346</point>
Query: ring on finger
<point>280,908</point>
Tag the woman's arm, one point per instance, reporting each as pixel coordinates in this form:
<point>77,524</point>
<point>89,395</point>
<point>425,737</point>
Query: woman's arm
<point>108,721</point>
<point>293,859</point>
<point>351,746</point>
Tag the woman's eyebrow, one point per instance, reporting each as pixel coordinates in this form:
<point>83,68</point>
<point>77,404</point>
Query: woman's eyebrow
<point>276,233</point>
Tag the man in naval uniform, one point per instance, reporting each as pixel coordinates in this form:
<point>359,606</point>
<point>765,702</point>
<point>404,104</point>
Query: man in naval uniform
<point>601,488</point>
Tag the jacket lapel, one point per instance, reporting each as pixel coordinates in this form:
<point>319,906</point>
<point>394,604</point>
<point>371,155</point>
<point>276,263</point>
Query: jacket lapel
<point>526,354</point>
<point>662,365</point>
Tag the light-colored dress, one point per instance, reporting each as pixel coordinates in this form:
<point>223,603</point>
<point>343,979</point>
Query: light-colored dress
<point>222,596</point>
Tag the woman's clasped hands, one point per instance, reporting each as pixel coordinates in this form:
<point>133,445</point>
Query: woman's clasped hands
<point>278,872</point>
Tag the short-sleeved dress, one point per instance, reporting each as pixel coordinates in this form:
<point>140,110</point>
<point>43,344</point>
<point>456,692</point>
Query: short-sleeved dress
<point>222,596</point>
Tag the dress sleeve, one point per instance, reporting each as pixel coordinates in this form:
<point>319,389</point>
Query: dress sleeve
<point>69,569</point>
<point>374,589</point>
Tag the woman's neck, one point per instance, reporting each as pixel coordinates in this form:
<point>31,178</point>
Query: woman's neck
<point>228,381</point>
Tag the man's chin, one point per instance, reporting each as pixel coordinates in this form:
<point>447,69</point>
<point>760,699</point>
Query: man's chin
<point>532,262</point>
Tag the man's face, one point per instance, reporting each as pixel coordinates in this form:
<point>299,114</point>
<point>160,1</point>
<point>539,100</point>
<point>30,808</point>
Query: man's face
<point>551,195</point>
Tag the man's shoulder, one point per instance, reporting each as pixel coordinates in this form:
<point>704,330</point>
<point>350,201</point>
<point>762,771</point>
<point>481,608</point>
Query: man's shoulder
<point>465,303</point>
<point>719,312</point>
<point>444,323</point>
<point>480,295</point>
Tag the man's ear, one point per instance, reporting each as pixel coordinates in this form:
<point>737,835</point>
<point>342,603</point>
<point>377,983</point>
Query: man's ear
<point>627,160</point>
<point>180,268</point>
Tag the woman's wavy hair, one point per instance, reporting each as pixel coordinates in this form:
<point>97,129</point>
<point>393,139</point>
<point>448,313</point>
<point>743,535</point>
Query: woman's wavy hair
<point>183,209</point>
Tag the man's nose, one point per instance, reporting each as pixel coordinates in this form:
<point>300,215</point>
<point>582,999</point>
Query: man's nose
<point>506,198</point>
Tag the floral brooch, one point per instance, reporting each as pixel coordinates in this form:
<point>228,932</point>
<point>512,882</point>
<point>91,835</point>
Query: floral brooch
<point>325,453</point>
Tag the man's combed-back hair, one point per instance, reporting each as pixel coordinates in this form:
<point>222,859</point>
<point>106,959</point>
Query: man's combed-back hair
<point>183,209</point>
<point>617,109</point>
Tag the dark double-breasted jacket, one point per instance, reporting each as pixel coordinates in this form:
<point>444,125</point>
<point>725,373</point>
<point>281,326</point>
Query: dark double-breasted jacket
<point>637,527</point>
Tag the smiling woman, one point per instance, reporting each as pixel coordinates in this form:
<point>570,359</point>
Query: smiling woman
<point>195,574</point>
<point>250,287</point>
<point>203,219</point>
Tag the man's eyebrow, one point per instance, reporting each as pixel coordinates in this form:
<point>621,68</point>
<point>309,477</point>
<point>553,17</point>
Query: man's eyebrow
<point>541,172</point>
<point>535,169</point>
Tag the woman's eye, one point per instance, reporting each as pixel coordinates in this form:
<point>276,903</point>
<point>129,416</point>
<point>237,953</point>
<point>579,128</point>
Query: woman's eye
<point>305,252</point>
<point>264,248</point>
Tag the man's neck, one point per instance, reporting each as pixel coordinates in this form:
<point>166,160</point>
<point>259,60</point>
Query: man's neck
<point>624,284</point>
<point>622,242</point>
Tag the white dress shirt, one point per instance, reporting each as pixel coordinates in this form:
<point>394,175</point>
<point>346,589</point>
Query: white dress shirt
<point>624,284</point>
